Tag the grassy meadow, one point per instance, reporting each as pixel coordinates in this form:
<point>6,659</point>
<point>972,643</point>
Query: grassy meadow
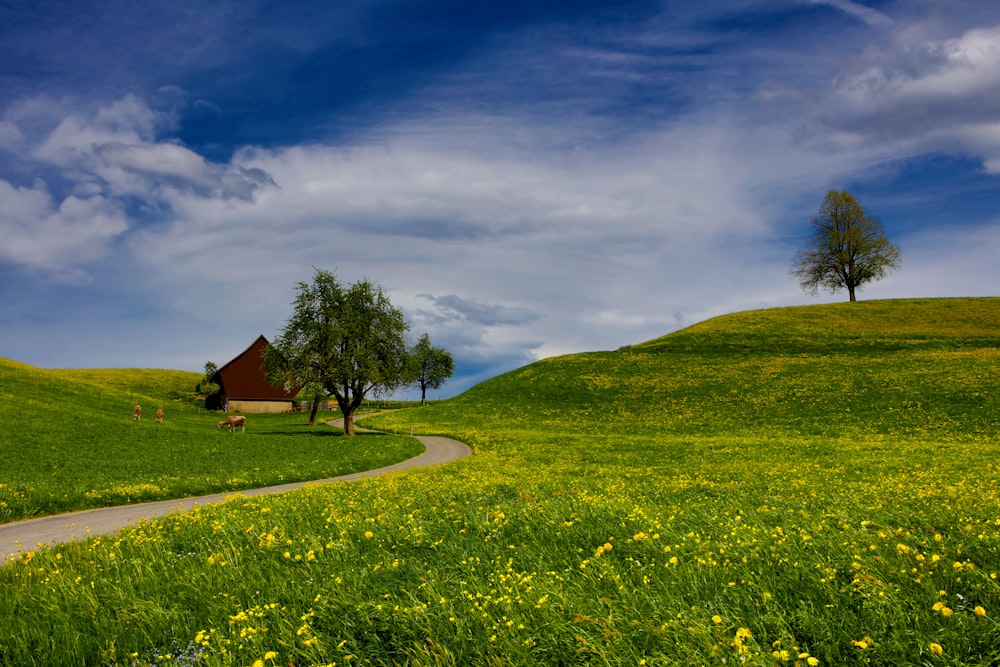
<point>68,442</point>
<point>801,486</point>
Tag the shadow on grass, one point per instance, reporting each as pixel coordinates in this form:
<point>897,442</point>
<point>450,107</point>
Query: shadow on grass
<point>319,431</point>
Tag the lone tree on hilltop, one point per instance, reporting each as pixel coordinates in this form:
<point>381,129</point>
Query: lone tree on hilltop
<point>430,366</point>
<point>344,341</point>
<point>847,249</point>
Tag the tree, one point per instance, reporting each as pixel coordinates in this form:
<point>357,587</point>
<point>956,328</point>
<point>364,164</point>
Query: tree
<point>430,366</point>
<point>344,341</point>
<point>208,389</point>
<point>847,250</point>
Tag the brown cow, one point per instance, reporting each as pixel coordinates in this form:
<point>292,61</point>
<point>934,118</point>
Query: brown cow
<point>159,415</point>
<point>137,412</point>
<point>233,422</point>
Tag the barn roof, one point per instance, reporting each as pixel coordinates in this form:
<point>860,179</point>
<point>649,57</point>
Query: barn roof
<point>243,377</point>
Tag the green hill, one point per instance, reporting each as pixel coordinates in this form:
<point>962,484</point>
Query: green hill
<point>69,442</point>
<point>903,324</point>
<point>803,486</point>
<point>900,368</point>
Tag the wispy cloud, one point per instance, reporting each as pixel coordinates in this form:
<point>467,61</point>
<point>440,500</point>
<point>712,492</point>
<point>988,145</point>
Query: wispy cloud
<point>867,14</point>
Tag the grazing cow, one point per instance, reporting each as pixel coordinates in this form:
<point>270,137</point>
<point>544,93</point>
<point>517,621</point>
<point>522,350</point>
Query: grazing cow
<point>233,422</point>
<point>137,412</point>
<point>159,415</point>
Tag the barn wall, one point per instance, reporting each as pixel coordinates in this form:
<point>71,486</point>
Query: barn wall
<point>243,379</point>
<point>258,407</point>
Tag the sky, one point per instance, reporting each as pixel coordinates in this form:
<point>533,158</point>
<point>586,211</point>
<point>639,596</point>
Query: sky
<point>524,179</point>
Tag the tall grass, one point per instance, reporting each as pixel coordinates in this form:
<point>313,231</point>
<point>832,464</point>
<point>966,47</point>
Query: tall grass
<point>663,506</point>
<point>68,442</point>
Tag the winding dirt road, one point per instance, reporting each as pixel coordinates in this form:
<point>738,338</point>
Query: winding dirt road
<point>44,531</point>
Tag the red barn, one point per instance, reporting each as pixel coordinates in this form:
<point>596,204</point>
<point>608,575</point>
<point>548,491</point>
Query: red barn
<point>244,387</point>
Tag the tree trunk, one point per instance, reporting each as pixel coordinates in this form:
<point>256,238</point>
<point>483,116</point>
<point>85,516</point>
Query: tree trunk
<point>850,290</point>
<point>349,422</point>
<point>315,409</point>
<point>423,394</point>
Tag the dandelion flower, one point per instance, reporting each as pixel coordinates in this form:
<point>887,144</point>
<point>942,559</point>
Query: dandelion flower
<point>717,619</point>
<point>979,611</point>
<point>936,649</point>
<point>812,661</point>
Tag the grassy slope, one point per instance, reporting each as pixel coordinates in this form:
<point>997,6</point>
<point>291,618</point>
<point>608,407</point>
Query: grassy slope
<point>817,482</point>
<point>884,368</point>
<point>69,442</point>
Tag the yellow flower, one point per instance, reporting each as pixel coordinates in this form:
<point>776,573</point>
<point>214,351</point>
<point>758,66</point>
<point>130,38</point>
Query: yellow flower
<point>947,611</point>
<point>717,619</point>
<point>938,606</point>
<point>979,611</point>
<point>936,649</point>
<point>812,661</point>
<point>860,643</point>
<point>369,534</point>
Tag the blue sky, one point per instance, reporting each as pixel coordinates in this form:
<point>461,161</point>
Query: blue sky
<point>525,179</point>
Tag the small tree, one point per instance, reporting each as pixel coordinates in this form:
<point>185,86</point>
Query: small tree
<point>208,389</point>
<point>344,341</point>
<point>430,366</point>
<point>847,249</point>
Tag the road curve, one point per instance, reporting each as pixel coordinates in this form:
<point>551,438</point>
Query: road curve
<point>45,531</point>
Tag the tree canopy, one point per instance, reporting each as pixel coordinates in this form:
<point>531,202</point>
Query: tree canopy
<point>429,366</point>
<point>847,248</point>
<point>345,342</point>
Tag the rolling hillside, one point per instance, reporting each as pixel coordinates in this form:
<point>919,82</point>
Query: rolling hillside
<point>803,486</point>
<point>889,368</point>
<point>68,442</point>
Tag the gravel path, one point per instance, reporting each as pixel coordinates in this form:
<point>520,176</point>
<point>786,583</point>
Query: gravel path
<point>31,533</point>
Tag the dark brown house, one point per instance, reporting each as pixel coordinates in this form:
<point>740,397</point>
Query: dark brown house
<point>244,387</point>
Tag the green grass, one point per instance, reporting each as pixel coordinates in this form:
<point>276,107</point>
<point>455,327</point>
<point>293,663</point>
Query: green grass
<point>69,443</point>
<point>742,492</point>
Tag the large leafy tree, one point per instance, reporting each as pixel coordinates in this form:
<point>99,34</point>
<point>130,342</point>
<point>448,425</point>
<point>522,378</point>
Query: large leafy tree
<point>346,342</point>
<point>847,248</point>
<point>430,366</point>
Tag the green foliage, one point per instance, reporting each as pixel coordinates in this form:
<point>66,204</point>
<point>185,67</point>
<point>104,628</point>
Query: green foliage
<point>429,366</point>
<point>847,250</point>
<point>742,492</point>
<point>83,449</point>
<point>347,342</point>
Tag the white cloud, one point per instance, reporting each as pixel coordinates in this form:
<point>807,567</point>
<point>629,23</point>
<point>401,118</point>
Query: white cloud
<point>11,138</point>
<point>870,16</point>
<point>41,235</point>
<point>925,95</point>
